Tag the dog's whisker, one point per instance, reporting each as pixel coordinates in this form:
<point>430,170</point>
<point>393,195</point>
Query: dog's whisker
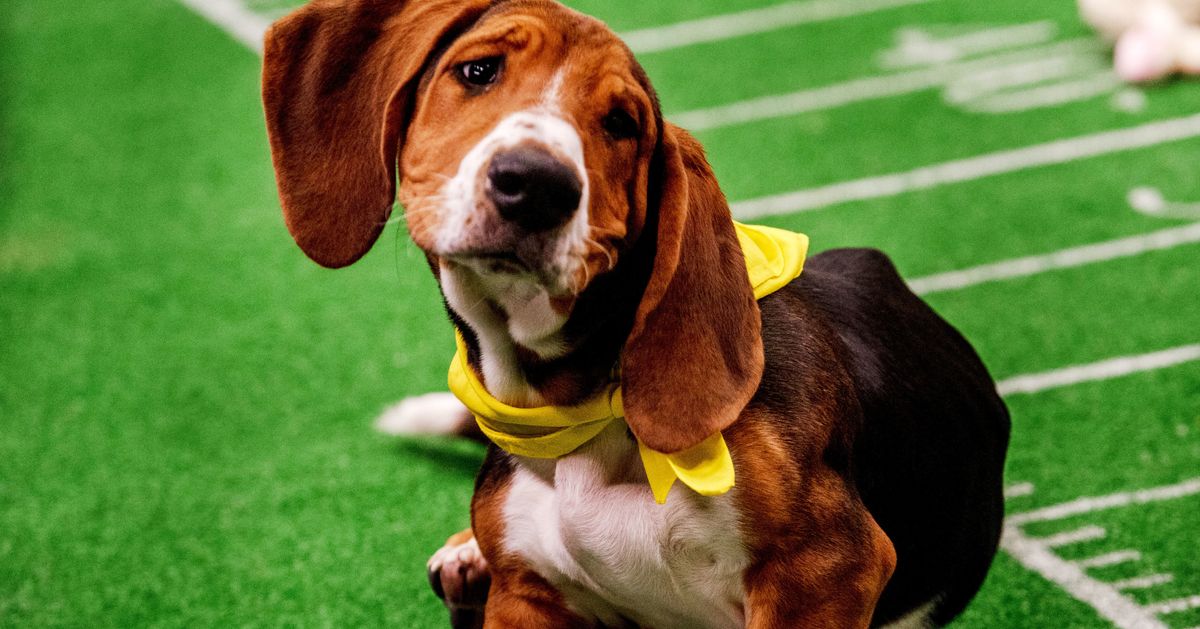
<point>612,263</point>
<point>477,303</point>
<point>416,207</point>
<point>587,279</point>
<point>421,203</point>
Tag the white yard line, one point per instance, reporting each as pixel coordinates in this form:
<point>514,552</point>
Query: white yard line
<point>234,18</point>
<point>753,21</point>
<point>1091,504</point>
<point>1063,259</point>
<point>1037,555</point>
<point>1103,370</point>
<point>989,165</point>
<point>876,87</point>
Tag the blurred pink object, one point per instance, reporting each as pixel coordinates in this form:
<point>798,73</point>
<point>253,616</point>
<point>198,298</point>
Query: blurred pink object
<point>1153,39</point>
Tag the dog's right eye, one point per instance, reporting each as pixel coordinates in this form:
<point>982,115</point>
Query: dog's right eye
<point>620,125</point>
<point>480,72</point>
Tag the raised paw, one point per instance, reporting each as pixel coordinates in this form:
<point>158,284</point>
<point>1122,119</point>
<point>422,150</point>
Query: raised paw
<point>460,577</point>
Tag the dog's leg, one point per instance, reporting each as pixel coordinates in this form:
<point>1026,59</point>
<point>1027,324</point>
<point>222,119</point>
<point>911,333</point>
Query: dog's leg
<point>835,584</point>
<point>429,414</point>
<point>460,577</point>
<point>521,598</point>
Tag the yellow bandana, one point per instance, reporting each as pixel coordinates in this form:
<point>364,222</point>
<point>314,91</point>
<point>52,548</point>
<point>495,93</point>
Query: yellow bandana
<point>774,257</point>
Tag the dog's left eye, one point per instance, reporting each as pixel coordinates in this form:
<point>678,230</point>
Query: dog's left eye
<point>620,125</point>
<point>480,72</point>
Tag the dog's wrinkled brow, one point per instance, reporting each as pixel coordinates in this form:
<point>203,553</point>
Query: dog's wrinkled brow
<point>443,45</point>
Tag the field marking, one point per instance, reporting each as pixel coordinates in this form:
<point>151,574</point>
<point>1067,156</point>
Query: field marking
<point>1038,70</point>
<point>1019,490</point>
<point>1109,559</point>
<point>872,88</point>
<point>1142,583</point>
<point>1175,606</point>
<point>1102,370</point>
<point>234,18</point>
<point>918,47</point>
<point>752,21</point>
<point>1069,91</point>
<point>1063,259</point>
<point>1085,534</point>
<point>970,169</point>
<point>1092,504</point>
<point>1106,598</point>
<point>1150,202</point>
<point>1046,81</point>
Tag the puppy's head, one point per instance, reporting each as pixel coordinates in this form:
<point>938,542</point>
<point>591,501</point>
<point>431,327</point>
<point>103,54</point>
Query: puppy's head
<point>532,159</point>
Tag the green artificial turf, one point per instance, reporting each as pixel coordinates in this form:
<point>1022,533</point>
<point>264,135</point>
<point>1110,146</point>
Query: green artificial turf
<point>185,399</point>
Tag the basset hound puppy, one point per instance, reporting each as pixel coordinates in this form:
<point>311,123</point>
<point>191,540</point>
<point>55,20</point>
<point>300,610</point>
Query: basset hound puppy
<point>692,426</point>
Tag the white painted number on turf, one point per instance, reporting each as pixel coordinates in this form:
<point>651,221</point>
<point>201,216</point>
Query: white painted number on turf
<point>1009,83</point>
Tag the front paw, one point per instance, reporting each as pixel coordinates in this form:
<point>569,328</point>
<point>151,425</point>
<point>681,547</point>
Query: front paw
<point>460,577</point>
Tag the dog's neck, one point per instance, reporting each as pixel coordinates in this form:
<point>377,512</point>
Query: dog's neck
<point>584,349</point>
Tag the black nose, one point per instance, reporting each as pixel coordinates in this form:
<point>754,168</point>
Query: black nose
<point>533,189</point>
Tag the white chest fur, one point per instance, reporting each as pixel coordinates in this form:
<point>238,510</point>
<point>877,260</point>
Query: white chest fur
<point>588,524</point>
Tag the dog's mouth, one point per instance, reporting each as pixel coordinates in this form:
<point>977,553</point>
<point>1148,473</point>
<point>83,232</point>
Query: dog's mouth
<point>493,262</point>
<point>513,265</point>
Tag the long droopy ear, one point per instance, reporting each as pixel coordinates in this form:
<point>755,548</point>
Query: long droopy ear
<point>694,357</point>
<point>338,77</point>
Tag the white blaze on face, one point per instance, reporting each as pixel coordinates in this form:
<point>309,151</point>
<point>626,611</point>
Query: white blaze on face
<point>529,319</point>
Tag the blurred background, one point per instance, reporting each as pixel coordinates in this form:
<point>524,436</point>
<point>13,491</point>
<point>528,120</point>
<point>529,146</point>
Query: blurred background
<point>186,400</point>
